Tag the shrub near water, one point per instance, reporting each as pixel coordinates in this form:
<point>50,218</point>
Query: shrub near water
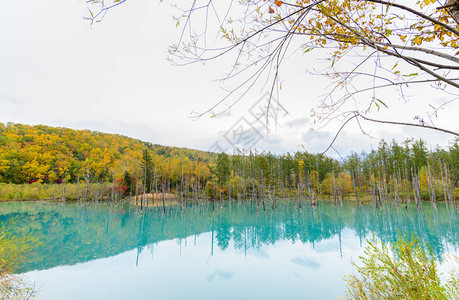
<point>12,253</point>
<point>403,270</point>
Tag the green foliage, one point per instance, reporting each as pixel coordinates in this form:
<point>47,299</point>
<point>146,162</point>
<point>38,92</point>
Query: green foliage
<point>223,167</point>
<point>147,168</point>
<point>43,156</point>
<point>47,154</point>
<point>209,190</point>
<point>12,253</point>
<point>403,270</point>
<point>127,181</point>
<point>237,186</point>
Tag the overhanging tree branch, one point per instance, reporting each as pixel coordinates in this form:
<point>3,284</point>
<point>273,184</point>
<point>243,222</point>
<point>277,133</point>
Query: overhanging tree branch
<point>425,46</point>
<point>405,124</point>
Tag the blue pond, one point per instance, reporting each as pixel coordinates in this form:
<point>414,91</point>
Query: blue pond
<point>211,250</point>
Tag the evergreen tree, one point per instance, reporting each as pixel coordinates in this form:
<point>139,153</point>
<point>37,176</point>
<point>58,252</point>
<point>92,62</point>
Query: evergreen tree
<point>223,170</point>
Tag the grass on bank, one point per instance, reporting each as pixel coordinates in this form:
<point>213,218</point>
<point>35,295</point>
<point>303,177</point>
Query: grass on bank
<point>41,191</point>
<point>46,191</point>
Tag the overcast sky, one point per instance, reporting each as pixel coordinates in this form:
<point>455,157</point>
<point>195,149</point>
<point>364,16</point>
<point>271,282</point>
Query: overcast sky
<point>55,69</point>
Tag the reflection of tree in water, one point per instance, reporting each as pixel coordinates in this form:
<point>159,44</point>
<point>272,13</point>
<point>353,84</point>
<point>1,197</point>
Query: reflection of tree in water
<point>315,224</point>
<point>223,231</point>
<point>74,233</point>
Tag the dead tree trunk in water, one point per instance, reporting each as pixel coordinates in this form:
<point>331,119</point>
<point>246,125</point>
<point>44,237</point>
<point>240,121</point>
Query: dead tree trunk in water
<point>163,186</point>
<point>63,190</point>
<point>416,189</point>
<point>86,178</point>
<point>78,189</point>
<point>137,192</point>
<point>354,183</point>
<point>431,186</point>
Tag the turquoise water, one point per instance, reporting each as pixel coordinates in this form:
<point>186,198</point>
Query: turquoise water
<point>108,251</point>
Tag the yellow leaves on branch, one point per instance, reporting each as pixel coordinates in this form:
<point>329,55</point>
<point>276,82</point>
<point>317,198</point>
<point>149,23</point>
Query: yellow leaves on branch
<point>417,40</point>
<point>347,23</point>
<point>278,3</point>
<point>343,24</point>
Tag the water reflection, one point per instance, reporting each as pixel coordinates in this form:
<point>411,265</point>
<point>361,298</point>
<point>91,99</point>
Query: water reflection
<point>76,233</point>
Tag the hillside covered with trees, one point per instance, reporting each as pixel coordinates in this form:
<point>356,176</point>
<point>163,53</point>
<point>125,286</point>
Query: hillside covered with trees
<point>50,154</point>
<point>43,156</point>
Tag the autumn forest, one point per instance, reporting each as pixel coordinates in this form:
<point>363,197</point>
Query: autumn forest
<point>42,162</point>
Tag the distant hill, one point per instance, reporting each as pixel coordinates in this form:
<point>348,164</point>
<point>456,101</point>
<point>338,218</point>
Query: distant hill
<point>53,155</point>
<point>48,154</point>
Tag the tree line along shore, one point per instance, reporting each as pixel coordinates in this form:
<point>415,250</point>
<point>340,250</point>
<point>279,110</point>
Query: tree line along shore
<point>61,164</point>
